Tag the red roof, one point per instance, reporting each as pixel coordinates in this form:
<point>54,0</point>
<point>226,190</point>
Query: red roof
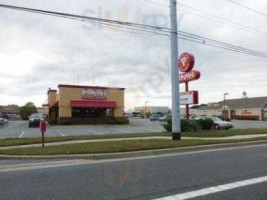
<point>94,104</point>
<point>89,87</point>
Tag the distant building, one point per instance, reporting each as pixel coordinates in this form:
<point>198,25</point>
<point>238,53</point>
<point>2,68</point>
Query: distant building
<point>10,109</point>
<point>43,110</point>
<point>152,109</point>
<point>244,108</point>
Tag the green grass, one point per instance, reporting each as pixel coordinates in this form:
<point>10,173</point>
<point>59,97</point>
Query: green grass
<point>225,133</point>
<point>116,146</point>
<point>25,141</point>
<point>220,133</point>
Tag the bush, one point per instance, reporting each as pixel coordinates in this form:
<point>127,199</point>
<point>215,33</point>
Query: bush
<point>122,121</point>
<point>186,125</point>
<point>206,124</point>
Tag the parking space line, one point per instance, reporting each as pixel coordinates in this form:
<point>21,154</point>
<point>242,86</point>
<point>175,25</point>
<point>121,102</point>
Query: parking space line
<point>124,131</point>
<point>61,133</point>
<point>95,132</point>
<point>21,134</point>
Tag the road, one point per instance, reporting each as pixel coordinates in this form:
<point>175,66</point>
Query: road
<point>144,178</point>
<point>20,129</point>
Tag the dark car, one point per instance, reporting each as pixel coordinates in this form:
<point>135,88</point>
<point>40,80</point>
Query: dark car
<point>35,120</point>
<point>155,117</point>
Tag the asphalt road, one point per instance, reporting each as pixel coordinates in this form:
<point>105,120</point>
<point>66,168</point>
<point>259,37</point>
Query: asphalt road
<point>143,179</point>
<point>20,129</point>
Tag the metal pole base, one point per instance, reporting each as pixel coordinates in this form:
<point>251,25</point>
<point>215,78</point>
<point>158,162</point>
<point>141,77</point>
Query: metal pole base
<point>176,136</point>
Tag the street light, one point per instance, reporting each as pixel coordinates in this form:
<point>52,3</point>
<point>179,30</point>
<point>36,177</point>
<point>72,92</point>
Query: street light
<point>146,102</point>
<point>224,104</point>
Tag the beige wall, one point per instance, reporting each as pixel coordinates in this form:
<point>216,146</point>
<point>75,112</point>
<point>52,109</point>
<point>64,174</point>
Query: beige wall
<point>208,112</point>
<point>66,95</point>
<point>250,111</point>
<point>52,98</point>
<point>240,112</point>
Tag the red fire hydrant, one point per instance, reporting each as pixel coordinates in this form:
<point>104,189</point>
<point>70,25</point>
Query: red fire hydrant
<point>43,130</point>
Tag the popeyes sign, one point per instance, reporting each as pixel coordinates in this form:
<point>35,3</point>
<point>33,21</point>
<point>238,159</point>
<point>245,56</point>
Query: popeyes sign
<point>94,94</point>
<point>186,64</point>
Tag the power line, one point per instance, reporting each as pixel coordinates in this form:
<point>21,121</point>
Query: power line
<point>223,20</point>
<point>248,8</point>
<point>142,28</point>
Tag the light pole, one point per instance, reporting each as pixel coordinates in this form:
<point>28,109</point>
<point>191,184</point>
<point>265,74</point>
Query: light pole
<point>224,104</point>
<point>176,123</point>
<point>146,102</point>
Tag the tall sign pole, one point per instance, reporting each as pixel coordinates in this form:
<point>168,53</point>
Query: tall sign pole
<point>176,123</point>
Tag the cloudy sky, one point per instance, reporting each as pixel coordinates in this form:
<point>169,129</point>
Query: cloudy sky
<point>38,52</point>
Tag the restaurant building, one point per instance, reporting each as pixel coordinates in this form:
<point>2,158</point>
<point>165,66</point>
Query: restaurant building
<point>75,104</point>
<point>242,109</point>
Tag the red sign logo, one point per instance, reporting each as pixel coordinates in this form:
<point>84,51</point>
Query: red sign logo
<point>189,76</point>
<point>186,62</point>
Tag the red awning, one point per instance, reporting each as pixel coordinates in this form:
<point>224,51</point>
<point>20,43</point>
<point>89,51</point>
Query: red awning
<point>94,104</point>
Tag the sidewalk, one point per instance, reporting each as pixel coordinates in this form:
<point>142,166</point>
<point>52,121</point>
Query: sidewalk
<point>237,137</point>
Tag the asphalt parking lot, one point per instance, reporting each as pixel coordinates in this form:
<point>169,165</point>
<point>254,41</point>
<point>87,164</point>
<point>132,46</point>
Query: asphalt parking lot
<point>20,129</point>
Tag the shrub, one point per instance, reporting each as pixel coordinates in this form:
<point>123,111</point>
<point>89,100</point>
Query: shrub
<point>206,124</point>
<point>186,125</point>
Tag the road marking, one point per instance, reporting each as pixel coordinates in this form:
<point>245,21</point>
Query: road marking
<point>61,133</point>
<point>215,189</point>
<point>95,132</point>
<point>124,131</point>
<point>21,134</point>
<point>18,124</point>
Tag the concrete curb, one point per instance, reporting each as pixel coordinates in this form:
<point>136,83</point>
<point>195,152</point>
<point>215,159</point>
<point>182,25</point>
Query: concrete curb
<point>137,153</point>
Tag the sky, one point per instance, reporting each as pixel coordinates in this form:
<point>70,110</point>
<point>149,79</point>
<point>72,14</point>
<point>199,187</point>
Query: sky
<point>38,52</point>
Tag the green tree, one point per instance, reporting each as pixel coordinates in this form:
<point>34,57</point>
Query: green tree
<point>26,110</point>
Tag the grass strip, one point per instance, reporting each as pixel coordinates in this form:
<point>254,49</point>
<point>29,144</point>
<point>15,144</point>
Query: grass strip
<point>25,141</point>
<point>117,146</point>
<point>213,133</point>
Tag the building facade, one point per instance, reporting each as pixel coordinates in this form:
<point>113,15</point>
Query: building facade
<point>73,104</point>
<point>152,109</point>
<point>243,109</point>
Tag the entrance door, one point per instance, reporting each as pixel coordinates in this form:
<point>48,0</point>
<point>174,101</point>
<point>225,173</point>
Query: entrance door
<point>225,114</point>
<point>232,114</point>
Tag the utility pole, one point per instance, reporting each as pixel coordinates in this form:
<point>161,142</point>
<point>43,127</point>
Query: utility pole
<point>176,123</point>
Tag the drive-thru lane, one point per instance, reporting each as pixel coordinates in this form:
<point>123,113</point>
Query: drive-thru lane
<point>144,178</point>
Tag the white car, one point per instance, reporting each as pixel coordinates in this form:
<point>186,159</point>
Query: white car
<point>220,124</point>
<point>6,121</point>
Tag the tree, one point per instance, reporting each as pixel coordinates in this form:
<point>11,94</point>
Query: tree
<point>26,110</point>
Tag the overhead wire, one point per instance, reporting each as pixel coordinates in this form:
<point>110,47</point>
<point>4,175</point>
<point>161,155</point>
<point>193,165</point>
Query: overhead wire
<point>142,28</point>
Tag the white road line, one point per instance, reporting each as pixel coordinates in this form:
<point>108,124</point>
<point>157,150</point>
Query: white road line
<point>61,133</point>
<point>21,134</point>
<point>215,189</point>
<point>17,125</point>
<point>124,131</point>
<point>95,132</point>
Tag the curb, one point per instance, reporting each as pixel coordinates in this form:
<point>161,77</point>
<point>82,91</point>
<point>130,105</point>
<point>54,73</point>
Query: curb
<point>102,156</point>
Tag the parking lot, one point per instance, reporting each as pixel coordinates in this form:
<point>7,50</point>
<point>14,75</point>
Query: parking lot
<point>20,129</point>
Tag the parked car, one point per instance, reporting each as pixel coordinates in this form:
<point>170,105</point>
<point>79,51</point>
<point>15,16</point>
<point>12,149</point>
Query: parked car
<point>220,124</point>
<point>6,121</point>
<point>35,120</point>
<point>222,118</point>
<point>2,121</point>
<point>165,118</point>
<point>155,117</point>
